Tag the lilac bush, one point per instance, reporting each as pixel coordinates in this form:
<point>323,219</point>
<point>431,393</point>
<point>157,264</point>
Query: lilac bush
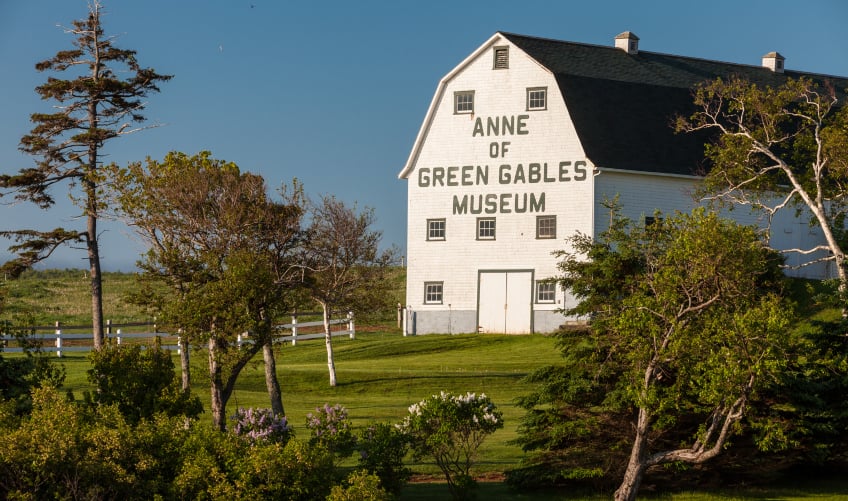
<point>261,426</point>
<point>329,426</point>
<point>450,429</point>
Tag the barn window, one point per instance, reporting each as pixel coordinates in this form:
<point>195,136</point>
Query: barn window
<point>463,102</point>
<point>545,291</point>
<point>435,229</point>
<point>545,226</point>
<point>501,61</point>
<point>433,292</point>
<point>537,98</point>
<point>485,228</point>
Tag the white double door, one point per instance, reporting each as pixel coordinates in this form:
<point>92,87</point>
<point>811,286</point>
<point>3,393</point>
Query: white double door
<point>505,301</point>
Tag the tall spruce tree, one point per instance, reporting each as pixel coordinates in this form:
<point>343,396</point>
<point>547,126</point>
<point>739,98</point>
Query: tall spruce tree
<point>94,106</point>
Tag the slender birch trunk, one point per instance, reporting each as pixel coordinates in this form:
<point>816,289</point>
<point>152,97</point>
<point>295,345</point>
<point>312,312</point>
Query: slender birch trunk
<point>328,341</point>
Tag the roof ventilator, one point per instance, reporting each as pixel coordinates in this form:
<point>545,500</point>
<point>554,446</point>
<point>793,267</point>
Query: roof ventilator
<point>628,42</point>
<point>774,62</point>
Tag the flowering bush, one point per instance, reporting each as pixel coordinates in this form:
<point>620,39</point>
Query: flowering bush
<point>450,428</point>
<point>261,425</point>
<point>329,426</point>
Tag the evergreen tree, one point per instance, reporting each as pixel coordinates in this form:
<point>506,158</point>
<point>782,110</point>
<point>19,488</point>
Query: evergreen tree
<point>94,106</point>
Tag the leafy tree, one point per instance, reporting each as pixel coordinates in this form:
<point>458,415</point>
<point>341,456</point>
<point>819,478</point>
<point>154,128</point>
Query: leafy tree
<point>226,251</point>
<point>344,267</point>
<point>687,324</point>
<point>94,107</point>
<point>780,148</point>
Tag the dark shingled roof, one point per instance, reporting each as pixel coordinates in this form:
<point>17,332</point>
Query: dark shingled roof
<point>623,106</point>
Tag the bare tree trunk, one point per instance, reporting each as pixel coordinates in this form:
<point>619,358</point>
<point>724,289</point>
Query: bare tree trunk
<point>184,364</point>
<point>271,381</point>
<point>216,390</point>
<point>636,465</point>
<point>96,283</point>
<point>328,341</point>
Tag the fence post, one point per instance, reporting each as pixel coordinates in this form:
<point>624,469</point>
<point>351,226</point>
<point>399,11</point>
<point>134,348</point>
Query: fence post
<point>109,328</point>
<point>239,340</point>
<point>119,336</point>
<point>58,340</point>
<point>294,330</point>
<point>350,325</point>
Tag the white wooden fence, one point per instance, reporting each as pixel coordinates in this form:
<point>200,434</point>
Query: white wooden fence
<point>58,341</point>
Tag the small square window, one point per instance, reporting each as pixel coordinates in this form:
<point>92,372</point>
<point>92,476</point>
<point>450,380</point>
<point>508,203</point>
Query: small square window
<point>463,102</point>
<point>485,228</point>
<point>537,98</point>
<point>545,226</point>
<point>435,229</point>
<point>433,292</point>
<point>501,61</point>
<point>545,291</point>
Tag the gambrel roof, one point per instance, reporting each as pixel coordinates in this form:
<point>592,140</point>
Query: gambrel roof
<point>623,105</point>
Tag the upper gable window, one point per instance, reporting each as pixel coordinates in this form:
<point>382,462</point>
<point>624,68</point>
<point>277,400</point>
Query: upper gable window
<point>537,98</point>
<point>501,55</point>
<point>463,102</point>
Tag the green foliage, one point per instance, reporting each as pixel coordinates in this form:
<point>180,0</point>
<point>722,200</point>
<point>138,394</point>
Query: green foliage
<point>360,486</point>
<point>19,376</point>
<point>141,382</point>
<point>382,448</point>
<point>63,451</point>
<point>779,148</point>
<point>450,429</point>
<point>687,325</point>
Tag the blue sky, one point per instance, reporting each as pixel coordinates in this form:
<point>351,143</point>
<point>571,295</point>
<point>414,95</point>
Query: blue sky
<point>333,93</point>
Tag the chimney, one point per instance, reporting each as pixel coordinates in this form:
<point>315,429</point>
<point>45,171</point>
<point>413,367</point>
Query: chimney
<point>628,42</point>
<point>774,62</point>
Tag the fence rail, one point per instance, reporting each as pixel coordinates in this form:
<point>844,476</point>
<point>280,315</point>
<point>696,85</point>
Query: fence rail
<point>60,341</point>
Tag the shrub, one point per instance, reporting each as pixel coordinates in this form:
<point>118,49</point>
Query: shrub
<point>450,429</point>
<point>329,426</point>
<point>361,486</point>
<point>261,426</point>
<point>141,382</point>
<point>382,448</point>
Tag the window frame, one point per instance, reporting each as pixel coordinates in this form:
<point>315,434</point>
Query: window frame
<point>457,95</point>
<point>428,293</point>
<point>430,230</point>
<point>494,228</point>
<point>544,91</point>
<point>539,220</point>
<point>549,289</point>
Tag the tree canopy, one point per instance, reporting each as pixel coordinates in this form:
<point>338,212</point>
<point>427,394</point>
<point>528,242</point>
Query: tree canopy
<point>224,248</point>
<point>687,321</point>
<point>780,148</point>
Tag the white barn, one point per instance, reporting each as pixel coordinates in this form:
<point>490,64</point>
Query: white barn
<point>522,143</point>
